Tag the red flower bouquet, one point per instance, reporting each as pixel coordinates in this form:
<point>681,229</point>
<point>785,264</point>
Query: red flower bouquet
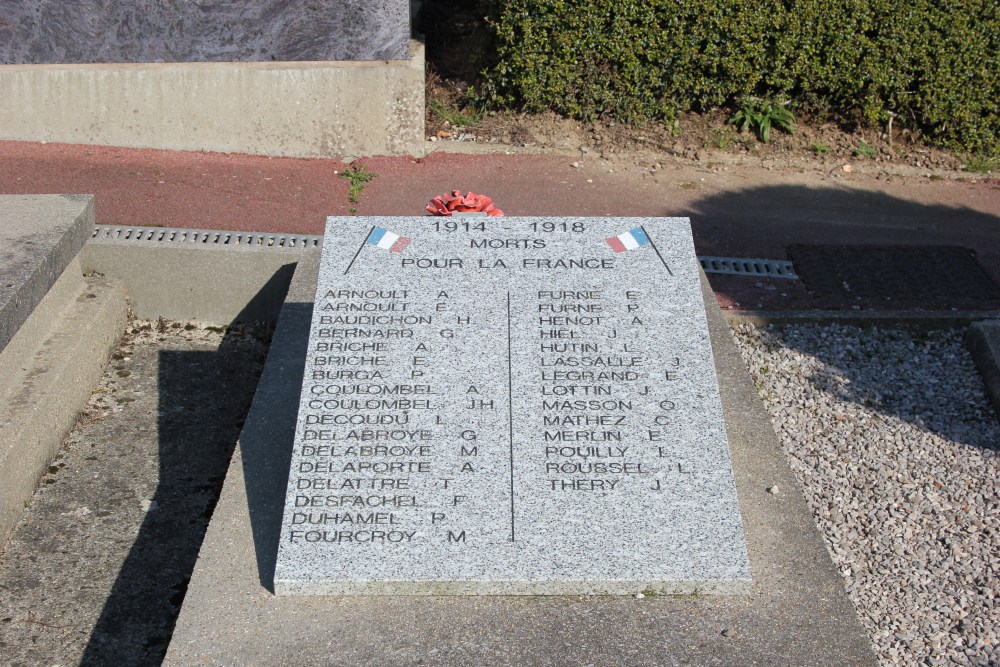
<point>456,202</point>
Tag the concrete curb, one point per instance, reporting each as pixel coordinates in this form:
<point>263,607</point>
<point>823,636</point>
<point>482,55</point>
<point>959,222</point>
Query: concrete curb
<point>49,370</point>
<point>57,351</point>
<point>983,342</point>
<point>295,109</point>
<point>230,617</point>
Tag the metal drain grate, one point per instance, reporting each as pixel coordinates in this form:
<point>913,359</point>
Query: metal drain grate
<point>126,234</point>
<point>742,266</point>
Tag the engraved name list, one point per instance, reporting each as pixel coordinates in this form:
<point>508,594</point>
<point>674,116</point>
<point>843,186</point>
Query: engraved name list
<point>510,406</point>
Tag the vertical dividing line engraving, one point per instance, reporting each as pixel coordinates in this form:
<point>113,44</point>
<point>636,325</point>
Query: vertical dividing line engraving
<point>360,247</point>
<point>656,249</point>
<point>510,417</point>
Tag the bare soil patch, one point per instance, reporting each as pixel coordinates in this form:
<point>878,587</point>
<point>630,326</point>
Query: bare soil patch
<point>697,138</point>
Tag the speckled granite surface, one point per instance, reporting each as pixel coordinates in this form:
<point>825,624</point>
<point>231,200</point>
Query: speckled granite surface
<point>142,31</point>
<point>510,406</point>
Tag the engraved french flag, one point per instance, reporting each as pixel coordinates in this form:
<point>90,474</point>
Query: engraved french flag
<point>630,240</point>
<point>383,238</point>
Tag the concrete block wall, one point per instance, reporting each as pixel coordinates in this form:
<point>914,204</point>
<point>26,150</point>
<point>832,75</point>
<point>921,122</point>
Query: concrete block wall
<point>296,109</point>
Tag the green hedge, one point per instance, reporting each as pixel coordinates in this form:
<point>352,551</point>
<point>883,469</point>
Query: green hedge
<point>934,63</point>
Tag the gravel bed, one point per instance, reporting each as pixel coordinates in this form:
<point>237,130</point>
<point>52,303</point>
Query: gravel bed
<point>897,451</point>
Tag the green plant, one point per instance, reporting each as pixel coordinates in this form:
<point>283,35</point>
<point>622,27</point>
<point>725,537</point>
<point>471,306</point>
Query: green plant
<point>982,164</point>
<point>722,137</point>
<point>455,116</point>
<point>761,115</point>
<point>864,150</point>
<point>819,149</point>
<point>933,65</point>
<point>357,175</point>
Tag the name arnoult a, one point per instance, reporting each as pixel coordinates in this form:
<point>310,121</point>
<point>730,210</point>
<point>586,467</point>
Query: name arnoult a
<point>366,294</point>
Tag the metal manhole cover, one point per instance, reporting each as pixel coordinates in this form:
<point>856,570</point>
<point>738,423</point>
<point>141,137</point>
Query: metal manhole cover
<point>900,272</point>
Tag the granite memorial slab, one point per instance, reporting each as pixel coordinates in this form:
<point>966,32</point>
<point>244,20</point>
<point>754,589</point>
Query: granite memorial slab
<point>149,31</point>
<point>500,405</point>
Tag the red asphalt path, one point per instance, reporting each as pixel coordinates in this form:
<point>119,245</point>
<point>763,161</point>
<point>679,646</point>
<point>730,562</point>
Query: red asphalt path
<point>739,211</point>
<point>246,192</point>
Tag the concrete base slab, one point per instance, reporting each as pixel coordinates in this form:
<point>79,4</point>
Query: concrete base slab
<point>797,614</point>
<point>297,109</point>
<point>49,369</point>
<point>207,283</point>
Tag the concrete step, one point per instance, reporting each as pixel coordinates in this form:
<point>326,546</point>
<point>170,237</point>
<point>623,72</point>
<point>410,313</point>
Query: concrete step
<point>57,330</point>
<point>48,380</point>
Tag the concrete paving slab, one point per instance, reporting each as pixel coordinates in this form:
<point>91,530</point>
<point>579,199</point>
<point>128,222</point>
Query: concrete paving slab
<point>95,571</point>
<point>797,614</point>
<point>201,282</point>
<point>48,371</point>
<point>39,236</point>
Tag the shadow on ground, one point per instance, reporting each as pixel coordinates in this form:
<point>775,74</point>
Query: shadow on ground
<point>764,221</point>
<point>203,400</point>
<point>268,438</point>
<point>924,378</point>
